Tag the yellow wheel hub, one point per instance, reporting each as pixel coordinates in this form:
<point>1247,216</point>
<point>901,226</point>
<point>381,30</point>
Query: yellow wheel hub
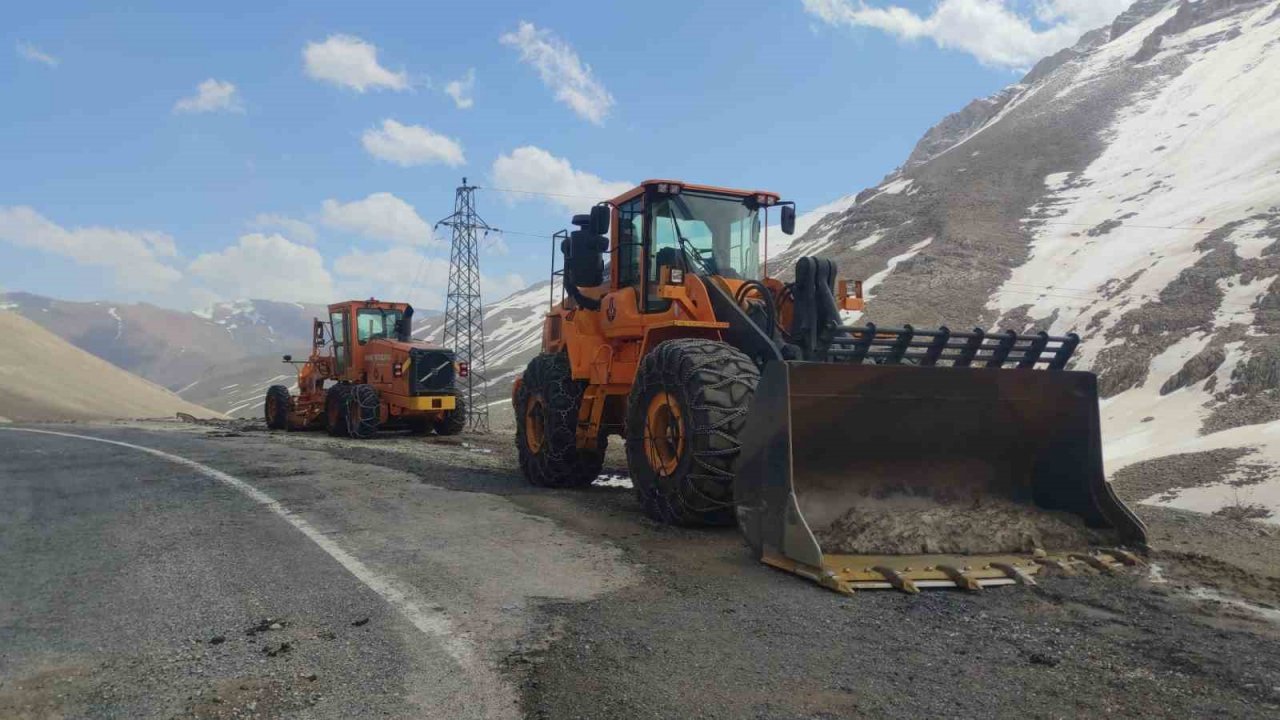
<point>535,431</point>
<point>664,434</point>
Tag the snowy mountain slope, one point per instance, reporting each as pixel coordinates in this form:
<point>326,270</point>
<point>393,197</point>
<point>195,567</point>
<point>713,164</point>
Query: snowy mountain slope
<point>1129,190</point>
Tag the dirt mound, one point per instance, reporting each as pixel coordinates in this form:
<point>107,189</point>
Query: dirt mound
<point>907,525</point>
<point>43,377</point>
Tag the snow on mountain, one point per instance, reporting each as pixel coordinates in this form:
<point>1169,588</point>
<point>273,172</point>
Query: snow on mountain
<point>1128,189</point>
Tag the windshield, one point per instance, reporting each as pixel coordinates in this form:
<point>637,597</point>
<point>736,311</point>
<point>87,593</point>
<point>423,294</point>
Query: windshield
<point>376,324</point>
<point>721,235</point>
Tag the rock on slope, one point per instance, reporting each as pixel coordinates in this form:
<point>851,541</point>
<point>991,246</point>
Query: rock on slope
<point>43,377</point>
<point>1127,189</point>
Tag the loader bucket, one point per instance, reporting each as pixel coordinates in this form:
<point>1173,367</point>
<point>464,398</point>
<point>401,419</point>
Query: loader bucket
<point>877,475</point>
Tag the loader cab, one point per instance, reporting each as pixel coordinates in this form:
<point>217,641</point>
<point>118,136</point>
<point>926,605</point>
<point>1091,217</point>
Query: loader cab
<point>666,229</point>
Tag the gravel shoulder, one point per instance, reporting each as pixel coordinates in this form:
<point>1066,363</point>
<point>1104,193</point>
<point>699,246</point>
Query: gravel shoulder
<point>586,609</point>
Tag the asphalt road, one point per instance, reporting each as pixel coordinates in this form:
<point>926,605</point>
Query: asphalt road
<point>253,574</point>
<point>133,585</point>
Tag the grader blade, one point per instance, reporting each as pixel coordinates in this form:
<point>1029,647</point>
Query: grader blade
<point>895,476</point>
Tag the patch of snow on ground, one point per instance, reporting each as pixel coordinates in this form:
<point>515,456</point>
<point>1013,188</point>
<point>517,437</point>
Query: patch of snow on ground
<point>1249,240</point>
<point>119,322</point>
<point>1055,182</point>
<point>1238,299</point>
<point>869,240</point>
<point>869,284</point>
<point>618,481</point>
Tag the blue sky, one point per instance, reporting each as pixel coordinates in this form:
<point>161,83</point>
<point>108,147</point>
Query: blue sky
<point>301,152</point>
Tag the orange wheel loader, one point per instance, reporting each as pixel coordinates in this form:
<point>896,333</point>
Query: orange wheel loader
<point>365,372</point>
<point>856,456</point>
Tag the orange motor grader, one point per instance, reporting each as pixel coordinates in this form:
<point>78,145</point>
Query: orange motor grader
<point>366,372</point>
<point>856,456</point>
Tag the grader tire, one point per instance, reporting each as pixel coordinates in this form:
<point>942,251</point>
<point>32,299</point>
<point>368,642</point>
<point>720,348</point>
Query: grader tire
<point>455,420</point>
<point>362,411</point>
<point>335,410</point>
<point>687,408</point>
<point>547,427</point>
<point>277,406</point>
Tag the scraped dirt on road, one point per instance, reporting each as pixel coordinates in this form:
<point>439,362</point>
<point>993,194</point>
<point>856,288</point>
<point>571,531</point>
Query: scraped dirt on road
<point>701,630</point>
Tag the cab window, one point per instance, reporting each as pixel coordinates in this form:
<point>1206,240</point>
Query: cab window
<point>372,323</point>
<point>630,227</point>
<point>338,322</point>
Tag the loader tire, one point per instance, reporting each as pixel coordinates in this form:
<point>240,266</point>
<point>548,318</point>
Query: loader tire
<point>362,411</point>
<point>335,410</point>
<point>687,408</point>
<point>277,407</point>
<point>454,421</point>
<point>547,427</point>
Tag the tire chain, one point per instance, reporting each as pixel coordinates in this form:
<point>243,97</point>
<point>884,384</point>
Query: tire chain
<point>713,465</point>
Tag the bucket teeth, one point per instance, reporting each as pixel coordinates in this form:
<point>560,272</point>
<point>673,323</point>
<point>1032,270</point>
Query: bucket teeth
<point>1095,562</point>
<point>1019,575</point>
<point>1126,557</point>
<point>959,578</point>
<point>897,579</point>
<point>1056,564</point>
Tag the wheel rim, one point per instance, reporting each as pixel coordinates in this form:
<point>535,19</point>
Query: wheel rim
<point>664,434</point>
<point>535,430</point>
<point>334,414</point>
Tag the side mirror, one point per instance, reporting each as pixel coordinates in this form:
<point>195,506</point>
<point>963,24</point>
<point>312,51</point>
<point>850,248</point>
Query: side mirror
<point>288,358</point>
<point>788,219</point>
<point>599,219</point>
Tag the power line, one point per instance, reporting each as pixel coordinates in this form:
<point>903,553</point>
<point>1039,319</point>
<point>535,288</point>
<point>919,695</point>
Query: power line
<point>542,193</point>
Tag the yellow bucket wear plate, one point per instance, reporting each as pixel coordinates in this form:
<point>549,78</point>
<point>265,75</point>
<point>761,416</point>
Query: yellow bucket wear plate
<point>912,573</point>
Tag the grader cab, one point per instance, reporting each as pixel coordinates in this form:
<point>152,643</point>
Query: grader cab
<point>856,456</point>
<point>366,372</point>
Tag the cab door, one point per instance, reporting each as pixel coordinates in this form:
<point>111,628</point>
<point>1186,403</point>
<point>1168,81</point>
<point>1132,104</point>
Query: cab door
<point>620,308</point>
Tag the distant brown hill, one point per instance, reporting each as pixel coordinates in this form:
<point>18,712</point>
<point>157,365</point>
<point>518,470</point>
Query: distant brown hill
<point>43,377</point>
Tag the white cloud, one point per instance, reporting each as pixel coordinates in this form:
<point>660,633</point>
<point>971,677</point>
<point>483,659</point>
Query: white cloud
<point>402,273</point>
<point>350,62</point>
<point>561,70</point>
<point>399,273</point>
<point>996,32</point>
<point>136,257</point>
<point>211,96</point>
<point>266,267</point>
<point>533,169</point>
<point>293,228</point>
<point>460,90</point>
<point>381,216</point>
<point>27,51</point>
<point>410,145</point>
